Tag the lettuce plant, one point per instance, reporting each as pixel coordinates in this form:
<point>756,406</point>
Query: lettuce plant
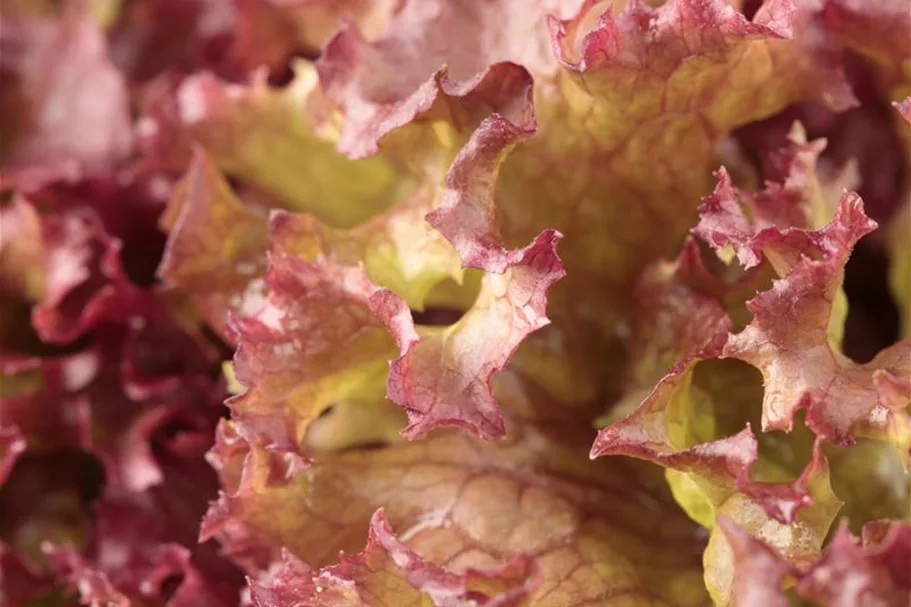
<point>551,303</point>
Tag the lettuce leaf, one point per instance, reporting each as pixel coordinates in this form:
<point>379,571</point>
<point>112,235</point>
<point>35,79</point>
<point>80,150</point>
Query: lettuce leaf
<point>466,505</point>
<point>689,421</point>
<point>848,572</point>
<point>388,571</point>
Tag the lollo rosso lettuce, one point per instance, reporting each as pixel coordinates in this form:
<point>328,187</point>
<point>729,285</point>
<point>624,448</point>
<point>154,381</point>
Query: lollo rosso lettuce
<point>335,303</point>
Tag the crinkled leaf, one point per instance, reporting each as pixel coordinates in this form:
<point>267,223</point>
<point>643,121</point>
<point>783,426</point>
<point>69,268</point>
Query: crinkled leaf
<point>794,337</point>
<point>37,398</point>
<point>692,421</point>
<point>83,276</point>
<point>617,115</point>
<point>458,361</point>
<point>271,138</point>
<point>624,162</point>
<point>437,61</point>
<point>463,503</point>
<point>111,397</point>
<point>442,377</point>
<point>848,572</point>
<point>387,571</point>
<point>684,425</point>
<point>446,377</point>
<point>322,331</point>
<point>647,153</point>
<point>842,397</point>
<point>218,243</point>
<point>397,248</point>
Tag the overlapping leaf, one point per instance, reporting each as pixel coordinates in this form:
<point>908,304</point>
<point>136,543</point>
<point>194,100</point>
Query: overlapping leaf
<point>387,571</point>
<point>397,249</point>
<point>452,54</point>
<point>803,312</point>
<point>847,573</point>
<point>689,421</point>
<point>442,377</point>
<point>65,262</point>
<point>445,378</point>
<point>322,331</point>
<point>461,503</point>
<point>643,98</point>
<point>271,138</point>
<point>218,244</point>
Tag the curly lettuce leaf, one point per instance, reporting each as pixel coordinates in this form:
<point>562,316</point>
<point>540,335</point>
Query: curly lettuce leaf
<point>780,488</point>
<point>804,310</point>
<point>400,252</point>
<point>446,377</point>
<point>217,245</point>
<point>480,72</point>
<point>126,356</point>
<point>111,398</point>
<point>848,572</point>
<point>500,123</point>
<point>397,248</point>
<point>585,119</point>
<point>501,191</point>
<point>267,136</point>
<point>321,332</point>
<point>462,503</point>
<point>388,571</point>
<point>37,400</point>
<point>127,547</point>
<point>443,376</point>
<point>796,316</point>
